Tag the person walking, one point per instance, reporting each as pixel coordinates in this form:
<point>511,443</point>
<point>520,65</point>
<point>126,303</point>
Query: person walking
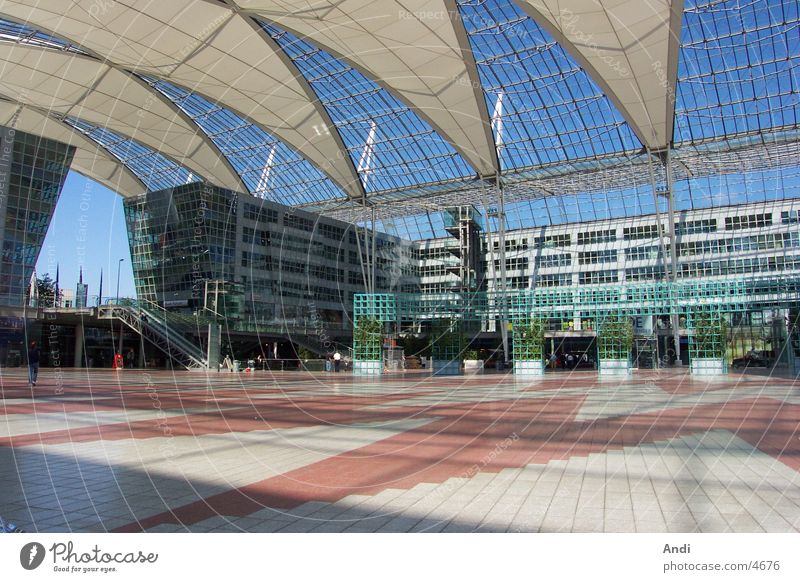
<point>34,355</point>
<point>337,361</point>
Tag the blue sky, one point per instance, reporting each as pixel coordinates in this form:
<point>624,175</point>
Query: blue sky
<point>88,229</point>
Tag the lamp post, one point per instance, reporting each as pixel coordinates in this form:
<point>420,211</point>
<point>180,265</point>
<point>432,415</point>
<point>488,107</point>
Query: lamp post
<point>119,265</point>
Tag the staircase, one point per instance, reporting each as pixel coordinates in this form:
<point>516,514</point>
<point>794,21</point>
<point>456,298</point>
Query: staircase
<point>167,331</point>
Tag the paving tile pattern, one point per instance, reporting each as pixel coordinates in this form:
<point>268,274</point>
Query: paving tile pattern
<point>300,452</point>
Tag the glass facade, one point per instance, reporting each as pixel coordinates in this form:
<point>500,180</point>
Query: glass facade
<point>179,239</point>
<point>32,173</point>
<point>277,266</point>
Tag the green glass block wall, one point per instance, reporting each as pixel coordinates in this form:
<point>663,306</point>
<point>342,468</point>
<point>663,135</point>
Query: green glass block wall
<point>708,334</point>
<point>367,339</point>
<point>447,340</point>
<point>614,337</point>
<point>528,338</point>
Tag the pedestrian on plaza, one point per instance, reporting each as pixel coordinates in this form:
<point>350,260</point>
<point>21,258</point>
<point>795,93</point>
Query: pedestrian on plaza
<point>34,355</point>
<point>129,358</point>
<point>337,361</point>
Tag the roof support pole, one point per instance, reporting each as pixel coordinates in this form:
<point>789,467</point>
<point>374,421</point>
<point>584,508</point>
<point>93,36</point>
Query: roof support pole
<point>670,265</point>
<point>374,244</point>
<point>663,248</point>
<point>673,248</point>
<point>501,219</point>
<point>361,258</point>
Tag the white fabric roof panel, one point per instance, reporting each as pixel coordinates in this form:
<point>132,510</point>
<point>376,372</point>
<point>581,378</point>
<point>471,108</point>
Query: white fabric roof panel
<point>630,47</point>
<point>208,48</point>
<point>412,48</point>
<point>66,83</point>
<point>89,160</point>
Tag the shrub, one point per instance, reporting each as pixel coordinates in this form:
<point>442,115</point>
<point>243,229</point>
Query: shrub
<point>710,337</point>
<point>367,339</point>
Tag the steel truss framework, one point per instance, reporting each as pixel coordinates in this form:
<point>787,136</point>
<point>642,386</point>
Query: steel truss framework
<point>732,101</point>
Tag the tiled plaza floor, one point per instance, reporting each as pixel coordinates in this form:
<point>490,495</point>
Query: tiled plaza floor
<point>296,452</point>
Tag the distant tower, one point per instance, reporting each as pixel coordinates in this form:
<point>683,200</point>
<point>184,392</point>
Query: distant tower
<point>81,292</point>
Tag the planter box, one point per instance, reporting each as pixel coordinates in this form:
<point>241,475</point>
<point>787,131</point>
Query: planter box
<point>708,366</point>
<point>473,366</point>
<point>368,368</point>
<point>446,368</point>
<point>614,367</point>
<point>528,368</point>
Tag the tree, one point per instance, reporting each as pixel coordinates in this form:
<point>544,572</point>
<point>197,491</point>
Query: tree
<point>46,288</point>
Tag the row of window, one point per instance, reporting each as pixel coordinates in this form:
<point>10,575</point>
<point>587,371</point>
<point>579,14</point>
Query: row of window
<point>256,261</point>
<point>423,254</point>
<point>251,236</point>
<point>757,242</point>
<point>748,221</point>
<point>330,231</point>
<point>647,231</point>
<point>643,253</point>
<point>717,268</point>
<point>598,277</point>
<point>434,270</point>
<point>513,264</point>
<point>326,273</point>
<point>552,241</point>
<point>512,244</point>
<point>739,266</point>
<point>298,222</point>
<point>597,257</point>
<point>650,231</point>
<point>555,280</point>
<point>558,260</point>
<point>260,214</point>
<point>696,226</point>
<point>437,287</point>
<point>649,273</point>
<point>597,236</point>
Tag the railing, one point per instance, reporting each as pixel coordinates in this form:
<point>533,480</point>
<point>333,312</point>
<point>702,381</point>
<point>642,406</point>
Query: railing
<point>161,327</point>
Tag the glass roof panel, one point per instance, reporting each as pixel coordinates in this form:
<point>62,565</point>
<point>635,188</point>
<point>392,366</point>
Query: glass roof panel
<point>392,147</point>
<point>269,168</point>
<point>738,70</point>
<point>551,110</point>
<point>20,33</point>
<point>155,170</point>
